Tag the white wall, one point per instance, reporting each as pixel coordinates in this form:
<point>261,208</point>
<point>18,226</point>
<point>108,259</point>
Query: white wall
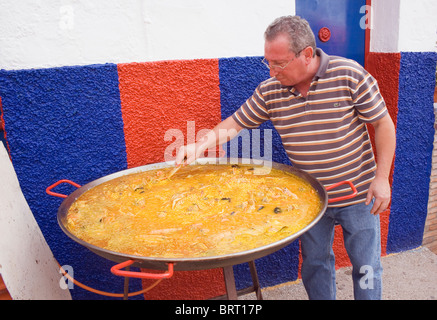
<point>404,25</point>
<point>50,33</point>
<point>385,26</point>
<point>418,26</point>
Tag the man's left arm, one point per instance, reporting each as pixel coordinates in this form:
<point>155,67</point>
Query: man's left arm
<point>385,143</point>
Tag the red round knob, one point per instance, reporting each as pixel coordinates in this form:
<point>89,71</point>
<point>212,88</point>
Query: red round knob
<point>324,34</point>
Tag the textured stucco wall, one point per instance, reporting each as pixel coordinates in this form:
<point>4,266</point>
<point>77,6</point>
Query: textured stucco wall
<point>85,122</point>
<point>159,96</point>
<point>239,77</point>
<point>78,122</point>
<point>64,123</point>
<point>415,135</point>
<point>385,68</point>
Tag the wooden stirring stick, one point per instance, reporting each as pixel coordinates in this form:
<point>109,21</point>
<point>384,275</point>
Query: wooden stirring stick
<point>175,169</point>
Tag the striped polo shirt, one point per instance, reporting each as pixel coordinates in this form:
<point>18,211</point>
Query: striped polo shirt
<point>325,133</point>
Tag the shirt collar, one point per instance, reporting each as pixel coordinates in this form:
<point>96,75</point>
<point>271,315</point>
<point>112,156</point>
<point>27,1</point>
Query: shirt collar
<point>324,62</point>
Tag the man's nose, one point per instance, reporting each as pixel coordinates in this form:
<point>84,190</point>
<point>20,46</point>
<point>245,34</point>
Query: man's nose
<point>273,72</point>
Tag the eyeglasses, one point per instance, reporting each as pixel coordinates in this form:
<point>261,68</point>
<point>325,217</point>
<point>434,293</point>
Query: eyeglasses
<point>276,66</point>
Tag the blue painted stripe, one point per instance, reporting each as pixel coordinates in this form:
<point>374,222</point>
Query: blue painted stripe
<point>415,135</point>
<point>64,123</point>
<point>239,77</point>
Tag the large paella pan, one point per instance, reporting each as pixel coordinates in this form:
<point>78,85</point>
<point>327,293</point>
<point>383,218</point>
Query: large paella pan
<point>207,215</point>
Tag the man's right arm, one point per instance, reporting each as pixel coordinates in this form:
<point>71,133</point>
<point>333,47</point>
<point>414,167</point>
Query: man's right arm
<point>222,133</point>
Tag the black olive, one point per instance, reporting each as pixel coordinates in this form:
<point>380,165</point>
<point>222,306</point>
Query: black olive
<point>277,210</point>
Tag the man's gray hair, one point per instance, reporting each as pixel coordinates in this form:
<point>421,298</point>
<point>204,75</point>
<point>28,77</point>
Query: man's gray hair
<point>296,28</point>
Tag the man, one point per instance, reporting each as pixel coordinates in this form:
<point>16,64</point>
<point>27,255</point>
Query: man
<point>320,105</point>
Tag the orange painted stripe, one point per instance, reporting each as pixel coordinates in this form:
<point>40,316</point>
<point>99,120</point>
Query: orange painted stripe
<point>182,96</point>
<point>159,96</point>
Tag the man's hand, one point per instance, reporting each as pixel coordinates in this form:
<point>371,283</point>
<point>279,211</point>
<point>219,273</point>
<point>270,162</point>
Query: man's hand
<point>189,153</point>
<point>380,190</point>
<point>223,132</point>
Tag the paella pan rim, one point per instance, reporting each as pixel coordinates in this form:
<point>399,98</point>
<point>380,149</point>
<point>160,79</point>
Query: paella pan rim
<point>192,263</point>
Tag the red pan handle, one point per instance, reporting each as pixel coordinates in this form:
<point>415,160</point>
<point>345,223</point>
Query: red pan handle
<point>142,275</point>
<point>60,195</point>
<point>350,196</point>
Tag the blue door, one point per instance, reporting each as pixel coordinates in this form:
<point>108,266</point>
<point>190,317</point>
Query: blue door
<point>339,25</point>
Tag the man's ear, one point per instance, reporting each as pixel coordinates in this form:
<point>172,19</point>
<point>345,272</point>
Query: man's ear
<point>308,53</point>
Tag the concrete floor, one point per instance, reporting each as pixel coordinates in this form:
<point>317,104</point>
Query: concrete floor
<point>409,275</point>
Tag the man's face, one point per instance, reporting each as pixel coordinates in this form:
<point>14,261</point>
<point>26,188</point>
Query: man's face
<point>277,53</point>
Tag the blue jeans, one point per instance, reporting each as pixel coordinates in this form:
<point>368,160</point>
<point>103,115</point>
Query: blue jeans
<point>362,241</point>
